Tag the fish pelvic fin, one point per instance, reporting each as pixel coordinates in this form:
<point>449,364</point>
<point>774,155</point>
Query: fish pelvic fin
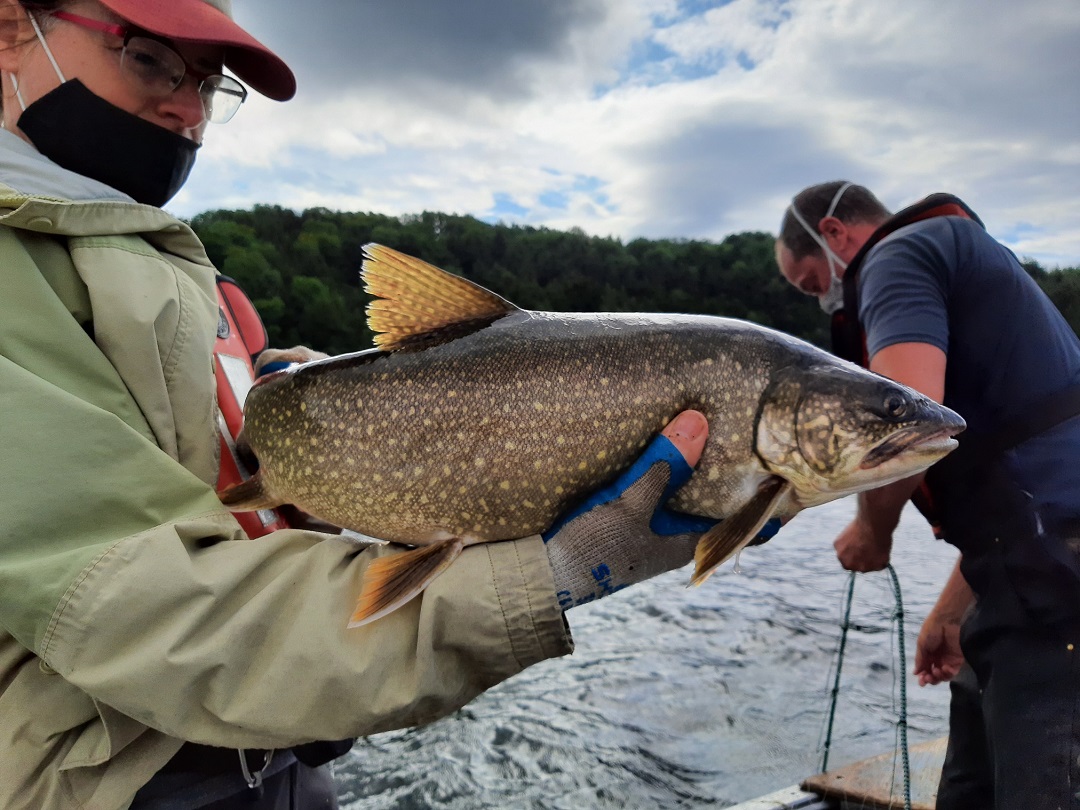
<point>248,496</point>
<point>732,534</point>
<point>391,581</point>
<point>416,305</point>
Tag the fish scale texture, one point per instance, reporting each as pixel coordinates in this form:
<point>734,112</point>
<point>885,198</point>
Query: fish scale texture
<point>494,435</point>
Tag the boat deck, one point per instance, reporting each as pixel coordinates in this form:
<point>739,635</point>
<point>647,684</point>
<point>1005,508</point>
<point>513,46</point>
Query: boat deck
<point>869,784</point>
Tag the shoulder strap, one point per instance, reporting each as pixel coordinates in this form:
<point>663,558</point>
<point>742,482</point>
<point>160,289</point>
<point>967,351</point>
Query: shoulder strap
<point>847,336</point>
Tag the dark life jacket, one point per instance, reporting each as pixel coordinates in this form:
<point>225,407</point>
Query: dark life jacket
<point>848,337</point>
<point>968,497</point>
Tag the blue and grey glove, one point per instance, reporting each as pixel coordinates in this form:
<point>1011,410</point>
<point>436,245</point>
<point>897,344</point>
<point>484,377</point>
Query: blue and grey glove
<point>624,533</point>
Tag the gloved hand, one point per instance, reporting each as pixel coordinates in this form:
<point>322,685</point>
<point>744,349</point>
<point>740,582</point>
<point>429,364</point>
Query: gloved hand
<point>623,533</point>
<point>271,360</point>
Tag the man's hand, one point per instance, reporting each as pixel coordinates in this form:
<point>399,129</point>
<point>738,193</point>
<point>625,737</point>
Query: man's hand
<point>938,656</point>
<point>860,549</point>
<point>937,652</point>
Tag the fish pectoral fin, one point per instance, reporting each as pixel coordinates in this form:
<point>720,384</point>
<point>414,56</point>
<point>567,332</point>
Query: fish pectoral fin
<point>731,534</point>
<point>248,496</point>
<point>416,305</point>
<point>391,581</point>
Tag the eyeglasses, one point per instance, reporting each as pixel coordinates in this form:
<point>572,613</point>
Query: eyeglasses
<point>160,70</point>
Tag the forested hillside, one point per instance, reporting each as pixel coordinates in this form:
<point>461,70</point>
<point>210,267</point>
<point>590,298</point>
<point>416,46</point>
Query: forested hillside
<point>302,271</point>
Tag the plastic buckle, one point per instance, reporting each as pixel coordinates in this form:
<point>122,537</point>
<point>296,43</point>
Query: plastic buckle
<point>254,780</point>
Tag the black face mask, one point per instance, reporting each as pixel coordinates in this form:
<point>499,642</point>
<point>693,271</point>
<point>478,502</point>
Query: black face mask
<point>87,135</point>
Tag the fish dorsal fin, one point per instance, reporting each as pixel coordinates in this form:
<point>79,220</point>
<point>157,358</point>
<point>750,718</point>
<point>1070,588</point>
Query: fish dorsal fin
<point>416,305</point>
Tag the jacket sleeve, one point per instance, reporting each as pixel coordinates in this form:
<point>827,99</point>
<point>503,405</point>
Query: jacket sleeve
<point>122,571</point>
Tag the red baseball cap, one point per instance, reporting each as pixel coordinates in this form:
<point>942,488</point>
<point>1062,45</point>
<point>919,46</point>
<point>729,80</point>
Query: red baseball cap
<point>210,21</point>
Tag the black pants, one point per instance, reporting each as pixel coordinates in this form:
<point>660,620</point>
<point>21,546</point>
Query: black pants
<point>1014,725</point>
<point>295,787</point>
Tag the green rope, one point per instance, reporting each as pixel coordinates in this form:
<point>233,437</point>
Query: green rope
<point>839,664</point>
<point>902,722</point>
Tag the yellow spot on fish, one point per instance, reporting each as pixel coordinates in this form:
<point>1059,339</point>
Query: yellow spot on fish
<point>560,440</point>
<point>504,485</point>
<point>559,490</point>
<point>303,406</point>
<point>582,466</point>
<point>601,455</point>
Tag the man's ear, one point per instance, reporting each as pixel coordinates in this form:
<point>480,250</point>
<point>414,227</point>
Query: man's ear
<point>834,232</point>
<point>15,31</point>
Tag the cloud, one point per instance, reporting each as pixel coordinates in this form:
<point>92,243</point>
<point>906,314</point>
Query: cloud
<point>662,117</point>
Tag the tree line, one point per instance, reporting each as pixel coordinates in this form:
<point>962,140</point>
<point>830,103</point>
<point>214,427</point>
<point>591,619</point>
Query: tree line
<point>302,270</point>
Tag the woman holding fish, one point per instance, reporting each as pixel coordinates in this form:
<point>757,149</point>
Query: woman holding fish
<point>144,639</point>
<point>928,298</point>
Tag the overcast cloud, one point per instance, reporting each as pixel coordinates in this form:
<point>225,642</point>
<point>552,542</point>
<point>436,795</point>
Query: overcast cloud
<point>661,118</point>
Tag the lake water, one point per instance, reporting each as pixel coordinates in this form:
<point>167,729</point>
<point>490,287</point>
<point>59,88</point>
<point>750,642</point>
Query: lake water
<point>684,698</point>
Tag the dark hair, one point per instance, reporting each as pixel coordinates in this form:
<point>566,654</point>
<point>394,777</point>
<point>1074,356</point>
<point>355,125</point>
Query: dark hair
<point>857,204</point>
<point>42,5</point>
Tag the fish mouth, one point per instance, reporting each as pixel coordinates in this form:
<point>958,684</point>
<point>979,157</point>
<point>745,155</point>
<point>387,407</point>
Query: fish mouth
<point>937,443</point>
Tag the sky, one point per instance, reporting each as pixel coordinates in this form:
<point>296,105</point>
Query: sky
<point>690,119</point>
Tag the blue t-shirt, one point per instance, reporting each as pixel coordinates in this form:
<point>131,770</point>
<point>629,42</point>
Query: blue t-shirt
<point>946,282</point>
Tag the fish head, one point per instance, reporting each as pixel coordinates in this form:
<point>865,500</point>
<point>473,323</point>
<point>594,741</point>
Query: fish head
<point>833,430</point>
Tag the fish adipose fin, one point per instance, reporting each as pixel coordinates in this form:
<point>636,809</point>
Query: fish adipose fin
<point>731,534</point>
<point>248,496</point>
<point>417,305</point>
<point>391,581</point>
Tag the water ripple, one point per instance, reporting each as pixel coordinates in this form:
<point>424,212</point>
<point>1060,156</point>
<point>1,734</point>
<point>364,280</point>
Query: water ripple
<point>682,698</point>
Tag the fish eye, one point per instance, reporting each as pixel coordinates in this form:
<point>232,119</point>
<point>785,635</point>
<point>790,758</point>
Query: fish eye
<point>896,404</point>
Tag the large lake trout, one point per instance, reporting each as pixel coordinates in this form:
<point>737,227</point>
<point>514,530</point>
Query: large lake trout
<point>475,421</point>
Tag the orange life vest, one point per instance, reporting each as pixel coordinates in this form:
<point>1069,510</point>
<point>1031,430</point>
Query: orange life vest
<point>240,337</point>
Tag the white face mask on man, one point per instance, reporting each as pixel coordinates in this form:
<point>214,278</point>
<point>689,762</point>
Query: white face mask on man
<point>833,298</point>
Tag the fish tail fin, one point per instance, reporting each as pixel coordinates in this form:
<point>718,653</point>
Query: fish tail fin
<point>730,535</point>
<point>391,581</point>
<point>248,496</point>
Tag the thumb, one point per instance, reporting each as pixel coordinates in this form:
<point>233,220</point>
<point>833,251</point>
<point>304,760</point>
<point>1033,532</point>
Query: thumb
<point>688,432</point>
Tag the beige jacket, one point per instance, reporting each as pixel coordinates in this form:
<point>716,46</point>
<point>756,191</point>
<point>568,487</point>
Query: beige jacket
<point>134,613</point>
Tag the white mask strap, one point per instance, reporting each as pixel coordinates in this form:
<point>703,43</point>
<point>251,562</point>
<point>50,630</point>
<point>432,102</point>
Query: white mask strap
<point>48,53</point>
<point>817,237</point>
